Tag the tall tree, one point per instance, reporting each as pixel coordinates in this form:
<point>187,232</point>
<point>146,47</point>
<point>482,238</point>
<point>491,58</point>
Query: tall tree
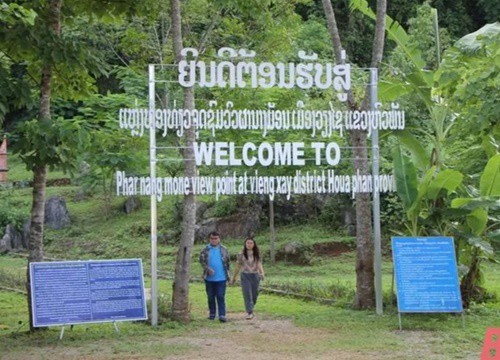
<point>40,168</point>
<point>365,282</point>
<point>57,64</point>
<point>180,295</point>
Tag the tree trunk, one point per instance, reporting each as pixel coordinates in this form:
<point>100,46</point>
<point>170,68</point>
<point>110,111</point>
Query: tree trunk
<point>333,29</point>
<point>40,169</point>
<point>180,295</point>
<point>379,37</point>
<point>35,244</point>
<point>365,281</point>
<point>365,273</point>
<point>336,43</point>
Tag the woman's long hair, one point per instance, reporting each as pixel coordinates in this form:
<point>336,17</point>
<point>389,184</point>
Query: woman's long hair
<point>256,254</point>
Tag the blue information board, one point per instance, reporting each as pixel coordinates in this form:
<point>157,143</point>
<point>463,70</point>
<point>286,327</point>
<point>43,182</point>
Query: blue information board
<point>426,274</point>
<point>76,292</point>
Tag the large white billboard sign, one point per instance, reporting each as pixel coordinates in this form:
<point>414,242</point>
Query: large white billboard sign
<point>241,161</point>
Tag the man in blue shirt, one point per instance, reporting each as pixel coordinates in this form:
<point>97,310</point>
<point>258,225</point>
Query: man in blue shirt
<point>214,259</point>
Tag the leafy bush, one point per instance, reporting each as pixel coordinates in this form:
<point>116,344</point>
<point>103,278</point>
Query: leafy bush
<point>164,308</point>
<point>224,207</point>
<point>333,213</point>
<point>392,214</point>
<point>13,211</point>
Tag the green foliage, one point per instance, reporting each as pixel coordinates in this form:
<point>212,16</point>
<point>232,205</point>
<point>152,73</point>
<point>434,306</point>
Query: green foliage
<point>470,76</point>
<point>417,151</point>
<point>224,207</point>
<point>447,180</point>
<point>395,32</point>
<point>489,184</point>
<point>423,34</point>
<point>482,208</point>
<point>491,9</point>
<point>459,16</point>
<point>14,90</point>
<point>431,210</point>
<point>164,305</point>
<point>424,199</point>
<point>314,37</point>
<point>332,213</point>
<point>12,13</point>
<point>406,178</point>
<point>110,149</point>
<point>14,210</point>
<point>15,93</point>
<point>392,215</point>
<point>476,234</point>
<point>58,142</point>
<point>13,216</point>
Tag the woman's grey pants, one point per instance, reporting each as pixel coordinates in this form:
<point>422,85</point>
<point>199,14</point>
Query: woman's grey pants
<point>250,287</point>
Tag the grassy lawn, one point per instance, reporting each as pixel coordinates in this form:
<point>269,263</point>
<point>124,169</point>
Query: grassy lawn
<point>352,330</point>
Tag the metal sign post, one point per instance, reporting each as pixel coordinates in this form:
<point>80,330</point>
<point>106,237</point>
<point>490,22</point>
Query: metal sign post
<point>152,165</point>
<point>376,199</point>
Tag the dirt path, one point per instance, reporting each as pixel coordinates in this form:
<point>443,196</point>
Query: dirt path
<point>268,339</point>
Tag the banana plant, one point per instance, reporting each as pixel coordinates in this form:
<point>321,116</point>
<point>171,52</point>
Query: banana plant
<point>480,228</point>
<point>424,199</point>
<point>422,181</point>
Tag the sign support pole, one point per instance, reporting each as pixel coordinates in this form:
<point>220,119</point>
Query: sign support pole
<point>376,199</point>
<point>152,166</point>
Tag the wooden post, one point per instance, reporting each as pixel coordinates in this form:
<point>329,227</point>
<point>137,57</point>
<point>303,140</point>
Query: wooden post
<point>3,160</point>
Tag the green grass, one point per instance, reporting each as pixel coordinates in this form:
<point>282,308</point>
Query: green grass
<point>492,277</point>
<point>350,330</point>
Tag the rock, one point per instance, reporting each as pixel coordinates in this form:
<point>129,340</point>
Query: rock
<point>201,208</point>
<point>237,226</point>
<point>56,213</point>
<point>133,203</point>
<point>242,219</point>
<point>295,252</point>
<point>5,244</point>
<point>291,248</point>
<point>289,211</point>
<point>11,240</point>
